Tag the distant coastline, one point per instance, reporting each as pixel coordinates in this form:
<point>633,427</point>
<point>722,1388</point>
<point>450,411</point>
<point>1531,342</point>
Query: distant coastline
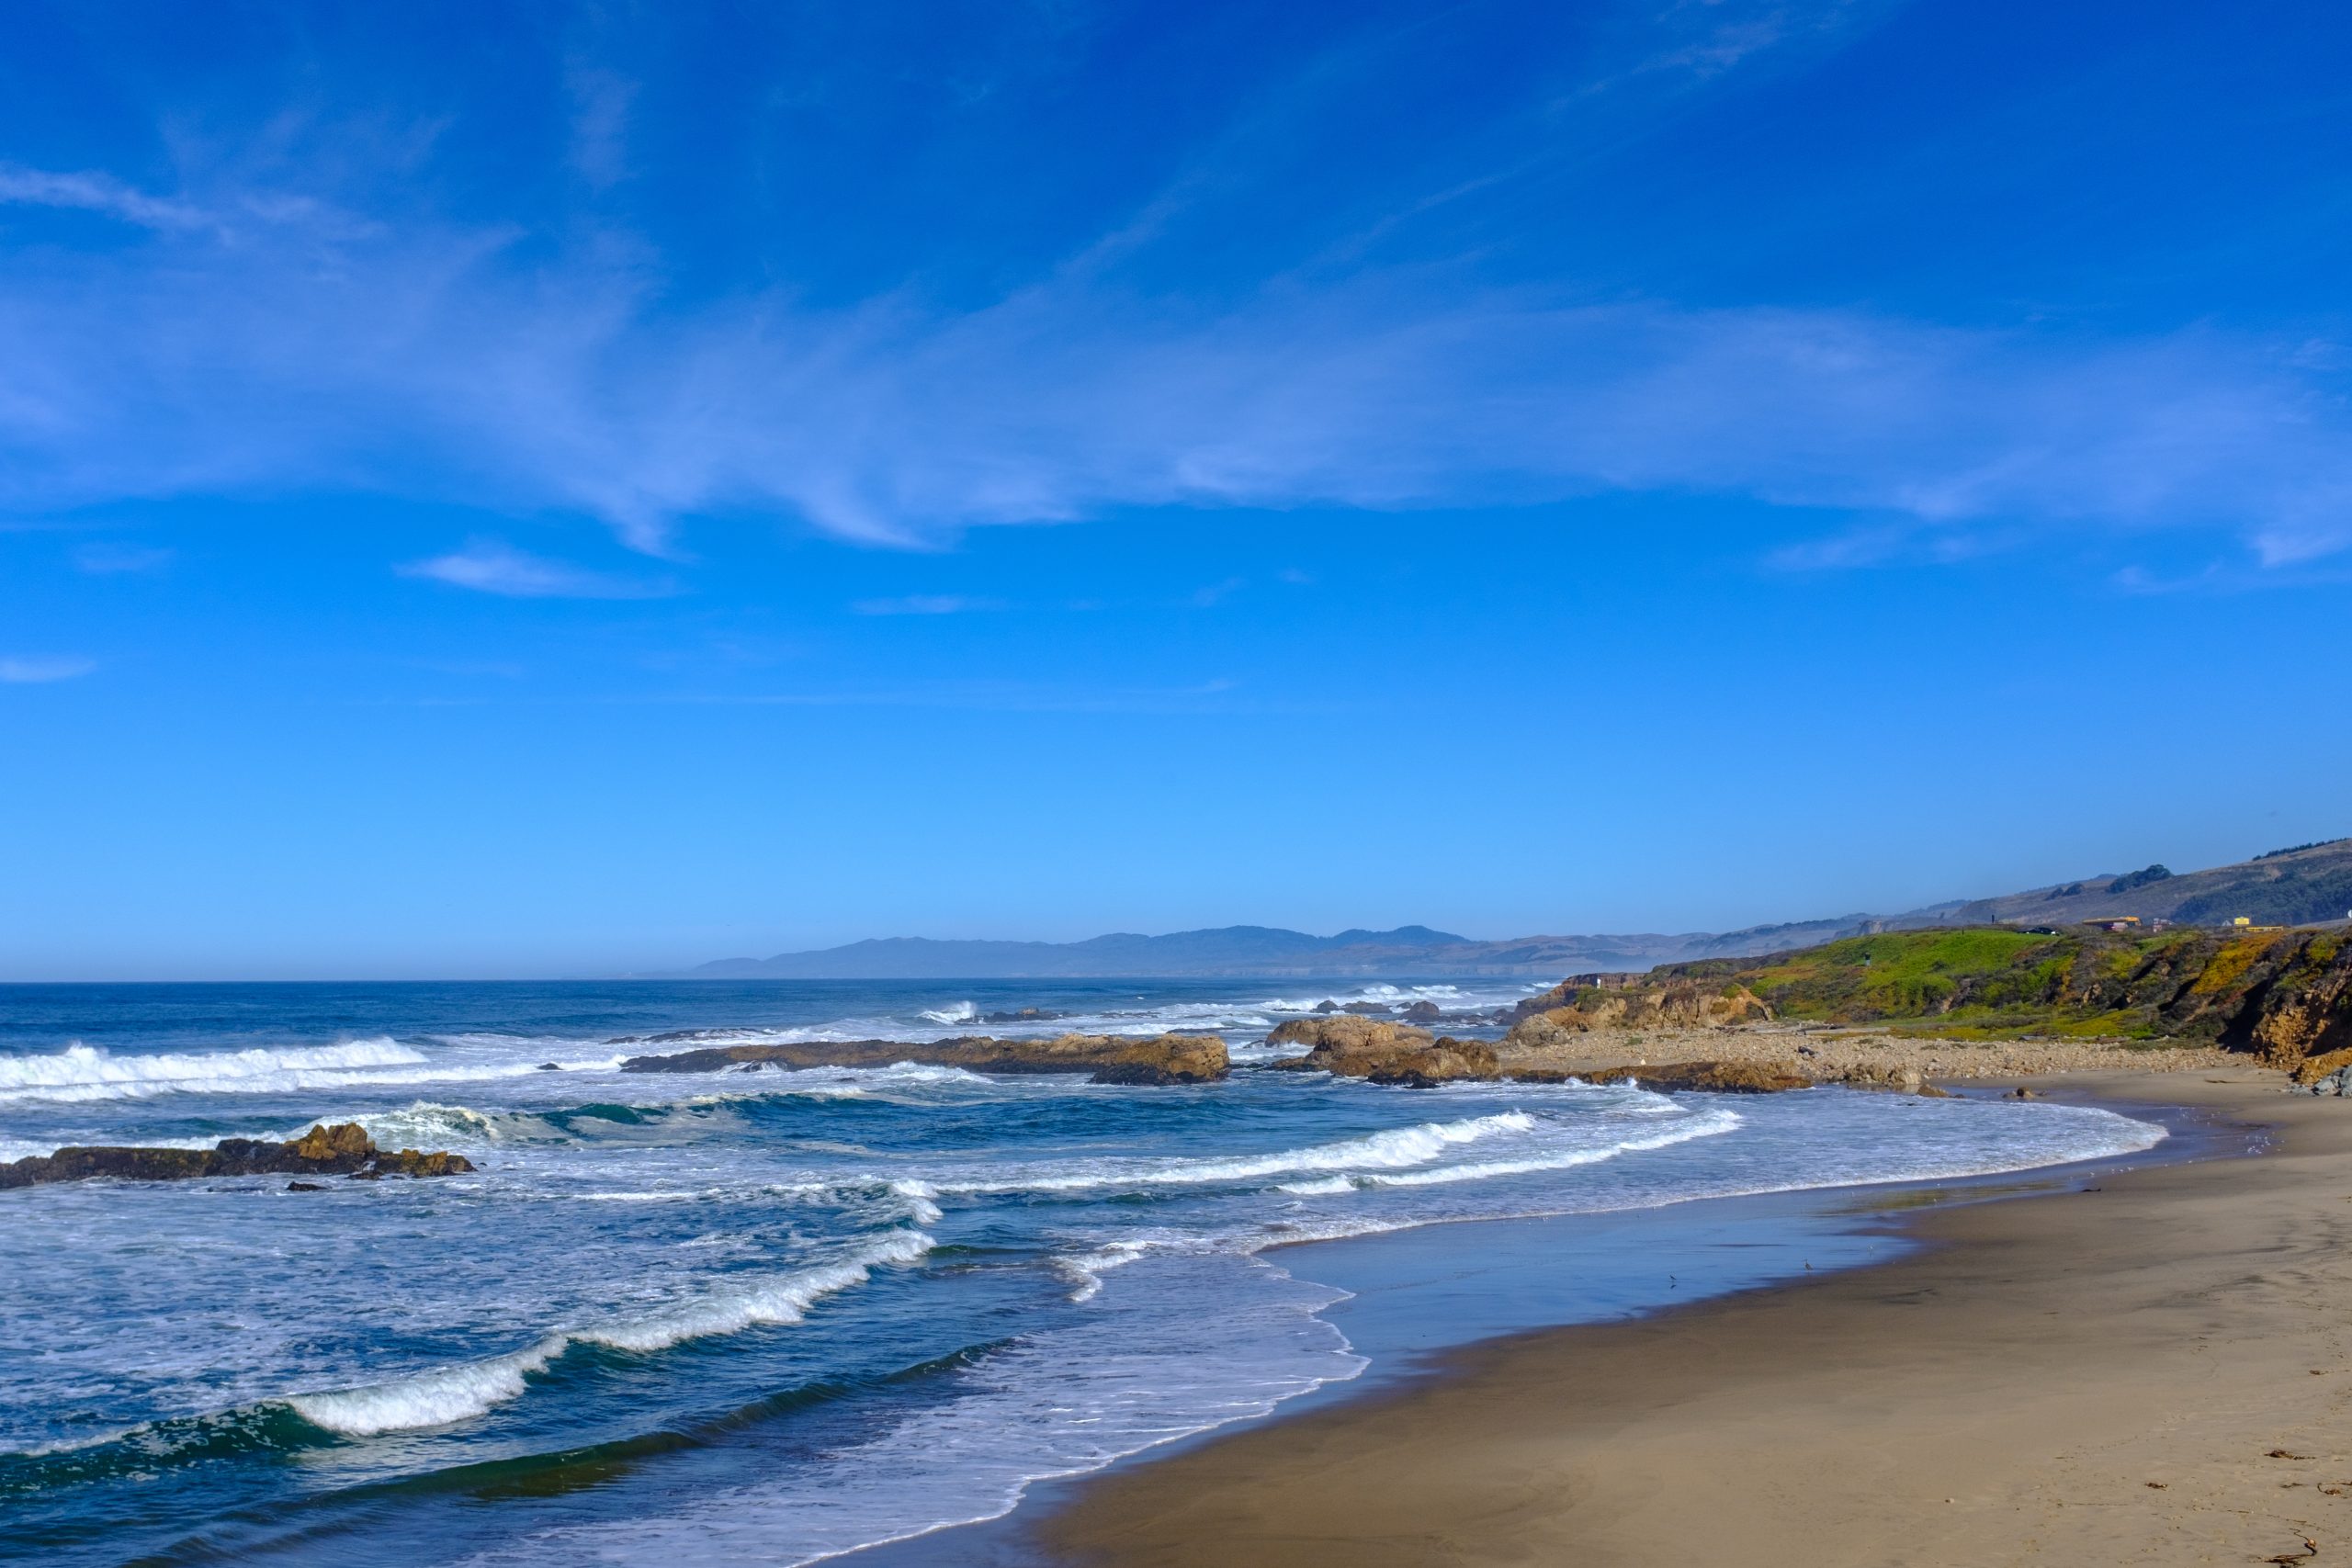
<point>2305,885</point>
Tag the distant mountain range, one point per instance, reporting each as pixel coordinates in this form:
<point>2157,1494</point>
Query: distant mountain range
<point>2303,885</point>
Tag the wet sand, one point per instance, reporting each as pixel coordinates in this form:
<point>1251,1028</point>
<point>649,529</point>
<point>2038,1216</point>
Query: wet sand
<point>2156,1369</point>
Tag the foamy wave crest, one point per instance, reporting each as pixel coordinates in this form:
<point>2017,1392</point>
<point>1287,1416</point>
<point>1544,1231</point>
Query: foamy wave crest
<point>1706,1124</point>
<point>960,1013</point>
<point>85,1072</point>
<point>1394,1148</point>
<point>461,1393</point>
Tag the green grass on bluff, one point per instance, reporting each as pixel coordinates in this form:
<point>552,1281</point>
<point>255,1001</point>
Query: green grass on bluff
<point>1906,974</point>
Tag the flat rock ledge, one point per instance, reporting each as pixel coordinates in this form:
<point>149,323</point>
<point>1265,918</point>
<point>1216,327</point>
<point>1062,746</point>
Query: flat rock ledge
<point>345,1149</point>
<point>1109,1058</point>
<point>1385,1053</point>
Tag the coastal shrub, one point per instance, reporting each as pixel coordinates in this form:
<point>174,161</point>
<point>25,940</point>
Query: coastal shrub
<point>2229,965</point>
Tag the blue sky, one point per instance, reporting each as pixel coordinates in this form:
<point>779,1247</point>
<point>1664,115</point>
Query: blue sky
<point>595,487</point>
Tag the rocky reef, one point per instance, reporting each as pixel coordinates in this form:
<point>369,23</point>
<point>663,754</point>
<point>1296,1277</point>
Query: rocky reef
<point>1110,1058</point>
<point>1385,1053</point>
<point>343,1149</point>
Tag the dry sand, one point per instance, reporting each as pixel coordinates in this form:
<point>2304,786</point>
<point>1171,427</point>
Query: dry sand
<point>2159,1370</point>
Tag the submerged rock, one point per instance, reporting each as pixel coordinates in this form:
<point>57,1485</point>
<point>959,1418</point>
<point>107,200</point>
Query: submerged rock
<point>1111,1059</point>
<point>345,1149</point>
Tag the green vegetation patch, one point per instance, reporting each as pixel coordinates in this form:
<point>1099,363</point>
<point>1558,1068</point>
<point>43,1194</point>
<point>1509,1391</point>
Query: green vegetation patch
<point>1906,973</point>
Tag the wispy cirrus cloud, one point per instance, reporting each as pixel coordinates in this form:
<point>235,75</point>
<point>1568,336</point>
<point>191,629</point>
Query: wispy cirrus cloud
<point>34,670</point>
<point>887,421</point>
<point>90,191</point>
<point>487,566</point>
<point>109,559</point>
<point>925,605</point>
<point>328,347</point>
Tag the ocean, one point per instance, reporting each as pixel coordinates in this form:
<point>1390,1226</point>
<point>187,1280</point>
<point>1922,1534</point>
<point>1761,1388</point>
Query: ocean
<point>761,1317</point>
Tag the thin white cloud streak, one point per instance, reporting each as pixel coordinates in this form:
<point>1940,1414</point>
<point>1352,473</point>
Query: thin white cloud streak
<point>92,192</point>
<point>320,352</point>
<point>111,559</point>
<point>35,669</point>
<point>925,605</point>
<point>487,566</point>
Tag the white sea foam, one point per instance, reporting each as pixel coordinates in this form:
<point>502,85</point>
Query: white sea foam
<point>919,1196</point>
<point>1705,1124</point>
<point>959,1013</point>
<point>1392,1148</point>
<point>445,1394</point>
<point>88,1067</point>
<point>84,1073</point>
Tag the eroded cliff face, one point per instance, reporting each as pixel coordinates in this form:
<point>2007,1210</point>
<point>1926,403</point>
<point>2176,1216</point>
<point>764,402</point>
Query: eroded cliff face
<point>1110,1058</point>
<point>340,1150</point>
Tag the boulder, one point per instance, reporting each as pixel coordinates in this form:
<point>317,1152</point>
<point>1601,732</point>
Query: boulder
<point>340,1150</point>
<point>2327,1065</point>
<point>1111,1059</point>
<point>1423,1011</point>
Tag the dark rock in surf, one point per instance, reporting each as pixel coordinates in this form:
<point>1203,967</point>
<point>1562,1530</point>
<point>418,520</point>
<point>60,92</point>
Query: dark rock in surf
<point>1422,1013</point>
<point>1110,1058</point>
<point>345,1149</point>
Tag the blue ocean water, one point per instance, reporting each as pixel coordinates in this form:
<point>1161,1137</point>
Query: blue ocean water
<point>763,1318</point>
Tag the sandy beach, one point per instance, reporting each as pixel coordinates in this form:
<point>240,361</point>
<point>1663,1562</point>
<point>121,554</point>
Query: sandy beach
<point>2155,1370</point>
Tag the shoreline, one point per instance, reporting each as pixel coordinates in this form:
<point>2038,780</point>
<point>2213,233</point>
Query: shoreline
<point>2102,1374</point>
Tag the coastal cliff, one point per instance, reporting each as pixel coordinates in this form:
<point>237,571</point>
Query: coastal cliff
<point>345,1149</point>
<point>1109,1058</point>
<point>2283,996</point>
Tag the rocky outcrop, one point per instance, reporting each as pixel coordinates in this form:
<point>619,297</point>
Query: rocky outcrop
<point>1386,1053</point>
<point>1713,1077</point>
<point>340,1150</point>
<point>1110,1058</point>
<point>1345,1031</point>
<point>1686,1004</point>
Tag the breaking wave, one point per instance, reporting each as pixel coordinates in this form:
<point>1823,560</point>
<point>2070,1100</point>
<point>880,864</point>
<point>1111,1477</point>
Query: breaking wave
<point>461,1393</point>
<point>1394,1149</point>
<point>81,1073</point>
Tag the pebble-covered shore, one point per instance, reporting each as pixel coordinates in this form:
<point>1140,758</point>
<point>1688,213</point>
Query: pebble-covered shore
<point>1836,1053</point>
